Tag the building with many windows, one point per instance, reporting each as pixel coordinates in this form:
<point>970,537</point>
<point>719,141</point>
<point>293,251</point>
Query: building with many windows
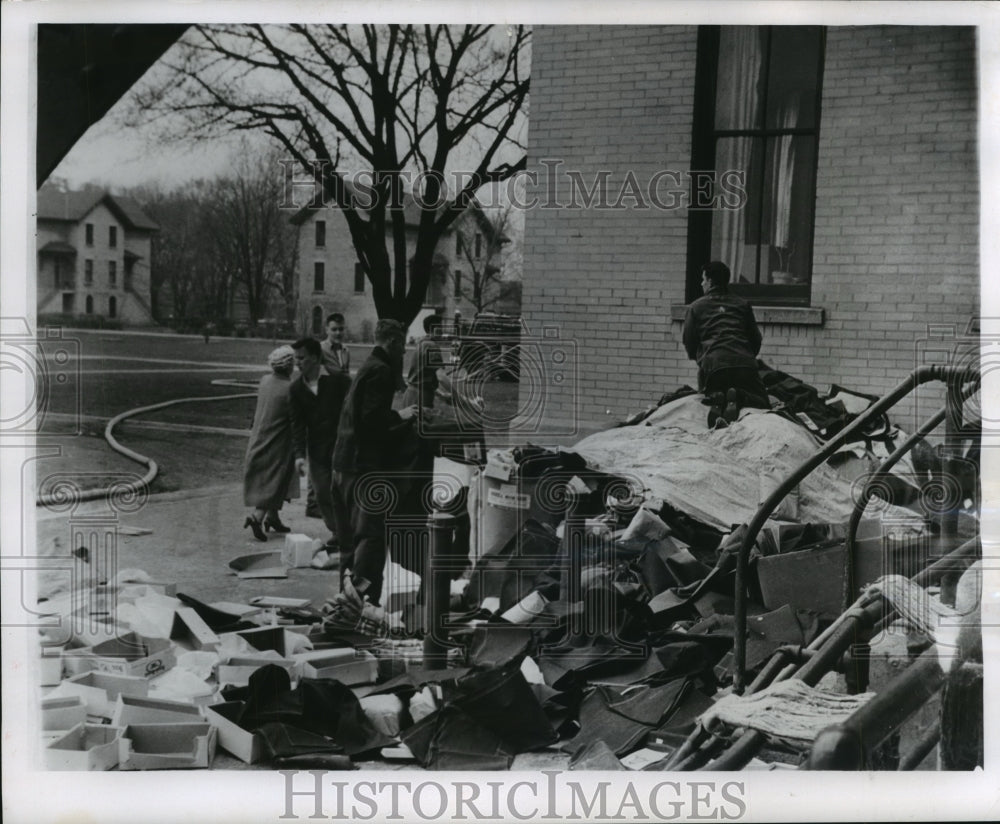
<point>93,255</point>
<point>833,169</point>
<point>333,280</point>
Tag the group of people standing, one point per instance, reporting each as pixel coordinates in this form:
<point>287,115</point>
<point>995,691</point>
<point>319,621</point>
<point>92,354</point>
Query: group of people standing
<point>337,431</point>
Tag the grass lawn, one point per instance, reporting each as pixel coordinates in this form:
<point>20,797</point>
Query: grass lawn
<point>110,373</point>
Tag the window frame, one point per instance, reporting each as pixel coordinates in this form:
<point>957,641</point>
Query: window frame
<point>88,234</point>
<point>113,273</point>
<point>112,237</point>
<point>703,153</point>
<point>88,272</point>
<point>458,283</point>
<point>320,234</point>
<point>319,276</point>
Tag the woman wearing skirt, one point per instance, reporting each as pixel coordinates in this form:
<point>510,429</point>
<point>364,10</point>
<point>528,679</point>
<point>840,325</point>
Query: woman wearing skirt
<point>269,478</point>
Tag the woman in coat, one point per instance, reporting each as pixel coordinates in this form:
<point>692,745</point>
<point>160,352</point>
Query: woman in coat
<point>269,477</point>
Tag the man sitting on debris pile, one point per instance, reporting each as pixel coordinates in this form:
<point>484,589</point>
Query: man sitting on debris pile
<point>721,334</point>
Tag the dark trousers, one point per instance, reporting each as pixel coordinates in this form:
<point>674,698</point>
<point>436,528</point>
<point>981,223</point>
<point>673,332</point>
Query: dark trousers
<point>366,558</point>
<point>745,379</point>
<point>330,501</point>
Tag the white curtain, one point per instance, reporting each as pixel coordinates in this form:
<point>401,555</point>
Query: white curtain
<point>737,106</point>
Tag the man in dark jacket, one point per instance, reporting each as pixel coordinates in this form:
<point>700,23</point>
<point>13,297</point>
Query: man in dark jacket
<point>721,334</point>
<point>316,400</point>
<point>370,438</point>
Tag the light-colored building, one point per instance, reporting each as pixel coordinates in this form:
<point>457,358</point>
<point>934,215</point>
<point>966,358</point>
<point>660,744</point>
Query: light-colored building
<point>93,255</point>
<point>857,240</point>
<point>333,280</point>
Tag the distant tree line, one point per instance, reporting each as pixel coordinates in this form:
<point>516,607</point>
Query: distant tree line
<point>223,243</point>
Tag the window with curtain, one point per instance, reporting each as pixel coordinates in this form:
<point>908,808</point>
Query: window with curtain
<point>757,114</point>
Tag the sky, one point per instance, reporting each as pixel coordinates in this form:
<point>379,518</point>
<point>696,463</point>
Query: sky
<point>119,157</point>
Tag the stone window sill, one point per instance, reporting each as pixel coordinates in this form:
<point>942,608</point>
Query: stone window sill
<point>770,315</point>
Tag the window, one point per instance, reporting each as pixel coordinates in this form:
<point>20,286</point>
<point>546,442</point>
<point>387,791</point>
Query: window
<point>359,278</point>
<point>113,237</point>
<point>89,233</point>
<point>88,272</point>
<point>458,283</point>
<point>317,320</point>
<point>479,245</point>
<point>458,244</point>
<point>112,273</point>
<point>319,275</point>
<point>757,101</point>
<point>112,306</point>
<point>68,303</point>
<point>90,305</point>
<point>320,233</point>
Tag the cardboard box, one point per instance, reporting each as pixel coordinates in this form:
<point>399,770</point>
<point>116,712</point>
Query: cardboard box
<point>278,639</point>
<point>259,565</point>
<point>349,666</point>
<point>245,745</point>
<point>63,712</point>
<point>237,670</point>
<point>50,666</point>
<point>299,550</point>
<point>86,747</point>
<point>134,654</point>
<point>100,689</point>
<point>130,710</point>
<point>190,630</point>
<point>76,658</point>
<point>167,746</point>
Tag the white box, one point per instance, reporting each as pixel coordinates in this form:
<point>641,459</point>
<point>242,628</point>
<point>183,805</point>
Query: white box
<point>299,550</point>
<point>134,654</point>
<point>63,712</point>
<point>130,710</point>
<point>237,670</point>
<point>100,689</point>
<point>348,665</point>
<point>245,745</point>
<point>86,747</point>
<point>167,746</point>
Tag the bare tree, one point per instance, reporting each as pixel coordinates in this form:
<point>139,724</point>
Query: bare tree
<point>483,242</point>
<point>385,100</point>
<point>254,243</point>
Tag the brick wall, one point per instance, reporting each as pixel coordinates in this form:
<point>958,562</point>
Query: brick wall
<point>896,239</point>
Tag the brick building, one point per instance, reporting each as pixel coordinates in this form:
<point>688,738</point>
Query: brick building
<point>858,233</point>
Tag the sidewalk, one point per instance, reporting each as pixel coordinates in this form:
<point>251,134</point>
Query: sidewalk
<point>194,535</point>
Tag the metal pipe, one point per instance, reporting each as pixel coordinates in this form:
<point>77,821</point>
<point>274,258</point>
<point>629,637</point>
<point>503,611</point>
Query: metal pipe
<point>861,504</point>
<point>921,749</point>
<point>848,746</point>
<point>739,755</point>
<point>919,376</point>
<point>436,583</point>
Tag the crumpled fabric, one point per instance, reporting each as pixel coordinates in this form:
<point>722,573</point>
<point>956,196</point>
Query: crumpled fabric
<point>487,718</point>
<point>322,706</point>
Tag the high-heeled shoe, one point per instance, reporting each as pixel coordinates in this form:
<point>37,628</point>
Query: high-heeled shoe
<point>275,525</point>
<point>255,527</point>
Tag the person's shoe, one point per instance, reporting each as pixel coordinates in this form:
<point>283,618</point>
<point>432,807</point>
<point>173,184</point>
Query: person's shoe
<point>255,528</point>
<point>275,525</point>
<point>313,512</point>
<point>715,419</point>
<point>732,410</point>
